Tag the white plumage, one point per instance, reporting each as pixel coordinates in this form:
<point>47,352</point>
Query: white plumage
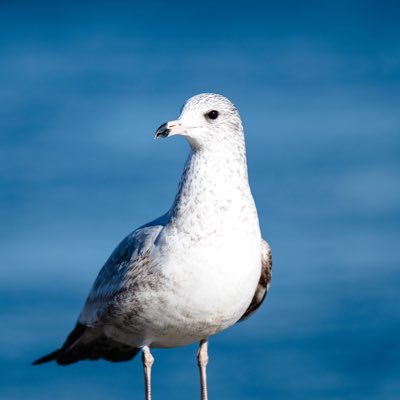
<point>192,272</point>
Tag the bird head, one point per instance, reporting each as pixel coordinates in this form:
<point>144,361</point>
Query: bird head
<point>205,120</point>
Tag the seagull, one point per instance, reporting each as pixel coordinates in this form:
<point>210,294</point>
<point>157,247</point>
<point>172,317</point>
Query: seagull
<point>191,273</point>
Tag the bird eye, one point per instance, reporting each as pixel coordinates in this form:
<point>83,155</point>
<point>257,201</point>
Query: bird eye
<point>213,114</point>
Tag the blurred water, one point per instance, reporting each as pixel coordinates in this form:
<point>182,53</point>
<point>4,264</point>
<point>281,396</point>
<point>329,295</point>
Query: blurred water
<point>82,90</point>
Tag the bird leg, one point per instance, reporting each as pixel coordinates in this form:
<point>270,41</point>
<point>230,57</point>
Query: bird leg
<point>202,360</point>
<point>148,361</point>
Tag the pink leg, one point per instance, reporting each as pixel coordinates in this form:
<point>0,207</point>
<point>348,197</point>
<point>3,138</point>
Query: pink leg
<point>202,360</point>
<point>148,361</point>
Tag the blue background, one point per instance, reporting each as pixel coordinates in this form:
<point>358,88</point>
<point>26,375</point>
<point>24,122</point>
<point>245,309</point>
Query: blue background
<point>82,90</point>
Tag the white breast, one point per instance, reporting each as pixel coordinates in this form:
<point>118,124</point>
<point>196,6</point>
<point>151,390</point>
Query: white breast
<point>208,287</point>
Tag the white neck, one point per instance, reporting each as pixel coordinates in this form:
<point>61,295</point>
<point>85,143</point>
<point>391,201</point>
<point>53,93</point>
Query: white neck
<point>213,187</point>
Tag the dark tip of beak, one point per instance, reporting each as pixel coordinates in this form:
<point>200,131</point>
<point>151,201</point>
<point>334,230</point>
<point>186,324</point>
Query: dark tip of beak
<point>162,131</point>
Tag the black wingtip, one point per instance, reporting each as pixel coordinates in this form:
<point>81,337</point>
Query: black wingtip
<point>47,358</point>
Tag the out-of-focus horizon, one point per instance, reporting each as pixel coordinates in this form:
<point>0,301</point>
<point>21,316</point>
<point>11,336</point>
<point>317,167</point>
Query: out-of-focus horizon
<point>83,88</point>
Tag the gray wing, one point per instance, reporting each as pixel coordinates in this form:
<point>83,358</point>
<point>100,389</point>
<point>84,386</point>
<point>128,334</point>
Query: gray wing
<point>264,282</point>
<point>127,262</point>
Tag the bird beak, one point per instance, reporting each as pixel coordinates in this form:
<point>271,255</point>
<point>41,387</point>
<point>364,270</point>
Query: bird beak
<point>169,129</point>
